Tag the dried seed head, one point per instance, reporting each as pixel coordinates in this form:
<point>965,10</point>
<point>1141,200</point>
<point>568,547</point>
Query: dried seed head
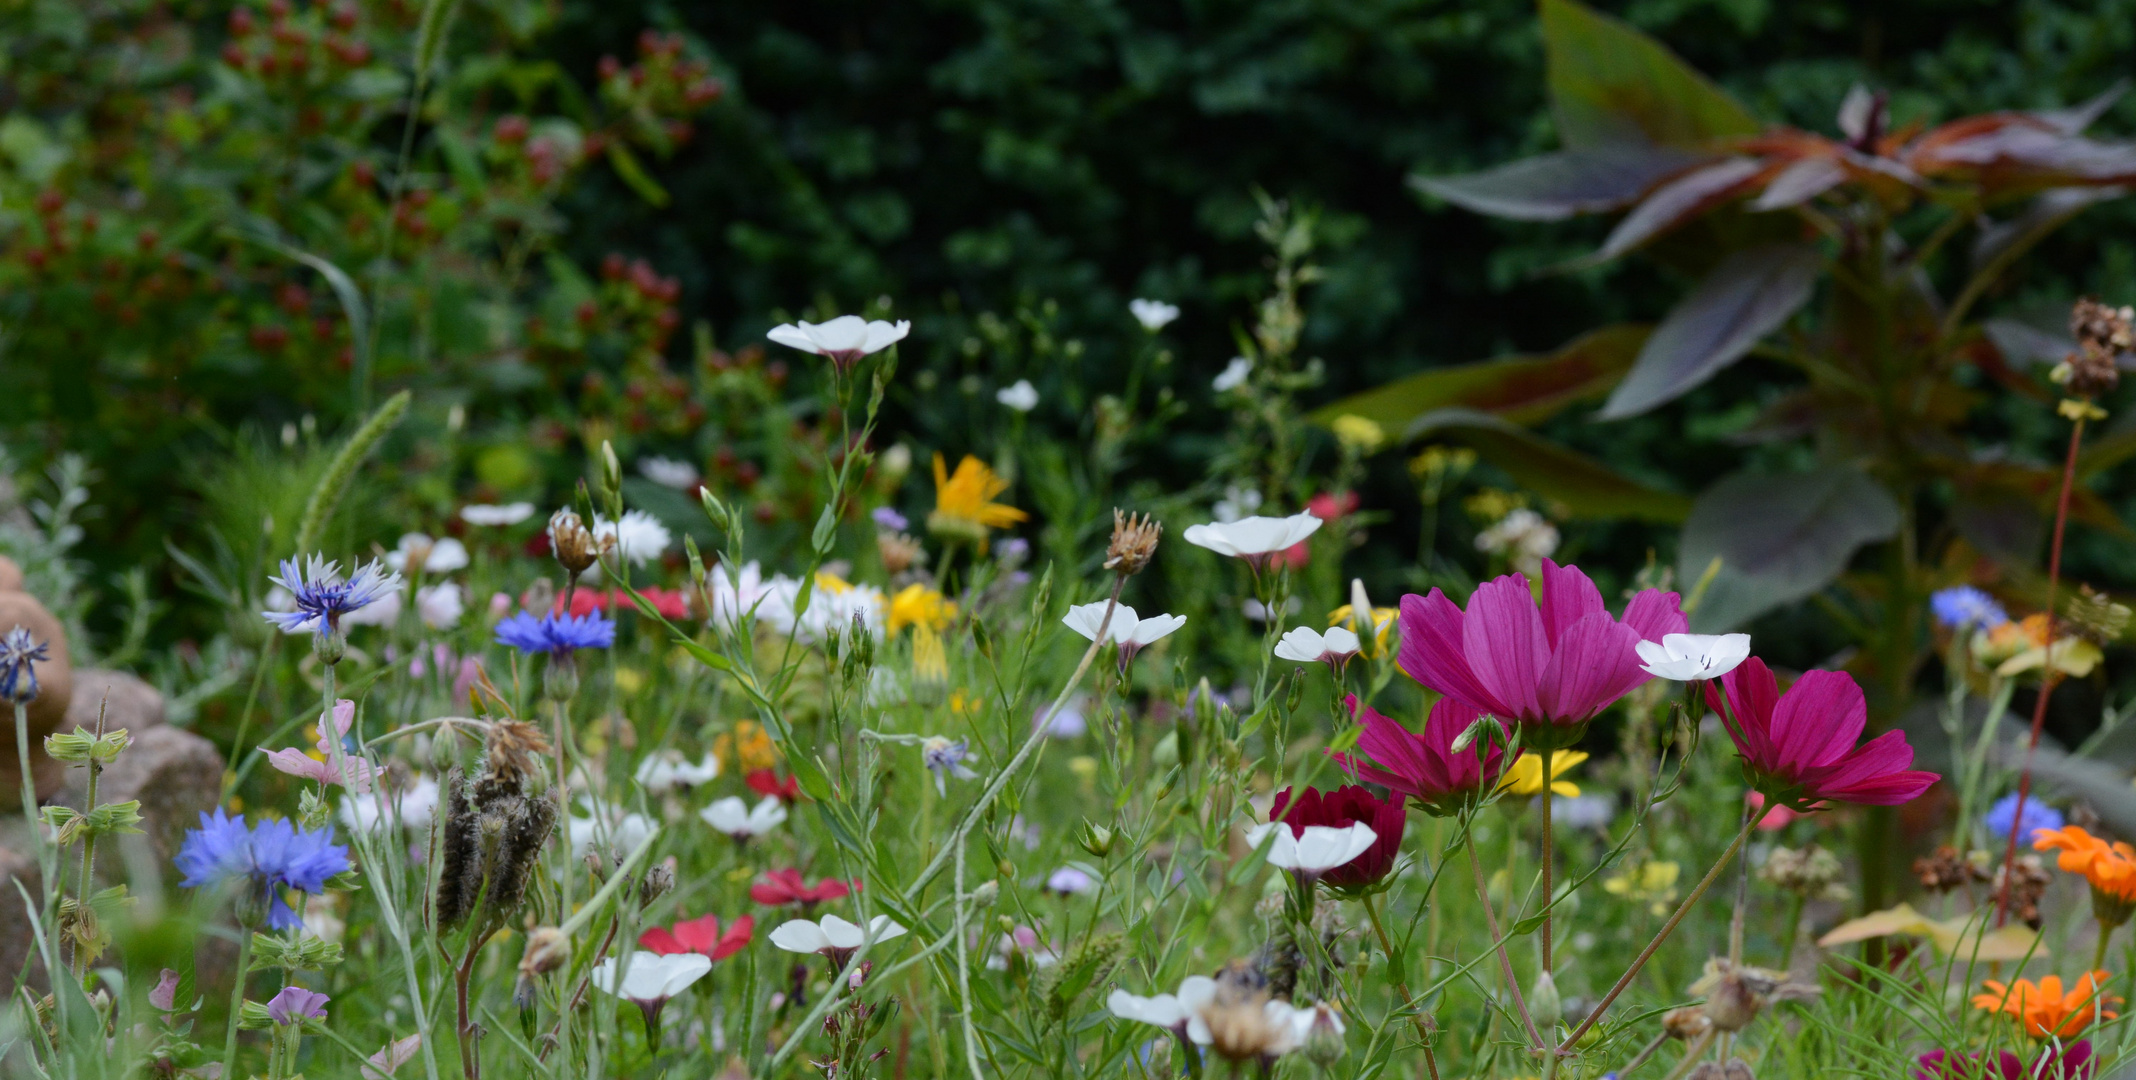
<point>1237,1017</point>
<point>2095,615</point>
<point>1134,543</point>
<point>658,880</point>
<point>526,830</point>
<point>2103,334</point>
<point>1943,870</point>
<point>1687,1022</point>
<point>574,547</point>
<point>458,856</point>
<point>2028,882</point>
<point>513,746</point>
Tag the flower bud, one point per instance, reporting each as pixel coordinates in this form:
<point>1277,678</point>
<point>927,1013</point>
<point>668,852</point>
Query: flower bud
<point>547,950</point>
<point>611,472</point>
<point>1544,1004</point>
<point>1096,839</point>
<point>1324,1044</point>
<point>986,894</point>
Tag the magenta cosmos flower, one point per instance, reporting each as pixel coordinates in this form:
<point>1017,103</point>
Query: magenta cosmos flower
<point>1799,747</point>
<point>1425,767</point>
<point>1548,670</point>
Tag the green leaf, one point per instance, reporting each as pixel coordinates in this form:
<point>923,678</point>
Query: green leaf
<point>1779,538</point>
<point>1552,187</point>
<point>1749,295</point>
<point>826,531</point>
<point>1610,83</point>
<point>1525,388</point>
<point>632,173</point>
<point>1585,487</point>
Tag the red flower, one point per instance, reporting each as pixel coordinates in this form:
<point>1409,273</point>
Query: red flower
<point>781,887</point>
<point>1549,671</point>
<point>1799,747</point>
<point>700,936</point>
<point>1338,809</point>
<point>768,782</point>
<point>1331,506</point>
<point>670,603</point>
<point>1424,767</point>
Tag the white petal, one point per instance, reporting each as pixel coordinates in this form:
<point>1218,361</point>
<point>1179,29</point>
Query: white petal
<point>801,936</point>
<point>840,933</point>
<point>1325,848</point>
<point>1084,620</point>
<point>1196,991</point>
<point>679,970</point>
<point>881,335</point>
<point>1283,852</point>
<point>729,815</point>
<point>794,337</point>
<point>1150,630</point>
<point>1302,644</point>
<point>1340,640</point>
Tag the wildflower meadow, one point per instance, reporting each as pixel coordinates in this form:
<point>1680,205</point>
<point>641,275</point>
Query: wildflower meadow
<point>461,616</point>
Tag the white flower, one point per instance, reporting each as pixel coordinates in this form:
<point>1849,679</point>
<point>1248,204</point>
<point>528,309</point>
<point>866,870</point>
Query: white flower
<point>1283,1028</point>
<point>1172,1011</point>
<point>665,770</point>
<point>734,817</point>
<point>1684,657</point>
<point>1258,612</point>
<point>416,805</point>
<point>320,919</point>
<point>621,832</point>
<point>639,536</point>
<point>832,607</point>
<point>651,977</point>
<point>439,556</point>
<point>1022,396</point>
<point>669,473</point>
<point>844,339</point>
<point>1126,630</point>
<point>1236,503</point>
<point>735,593</point>
<point>440,605</point>
<point>1152,314</point>
<point>832,935</point>
<point>1523,537</point>
<point>1256,538</point>
<point>507,514</point>
<point>1322,848</point>
<point>384,611</point>
<point>1305,645</point>
<point>1233,376</point>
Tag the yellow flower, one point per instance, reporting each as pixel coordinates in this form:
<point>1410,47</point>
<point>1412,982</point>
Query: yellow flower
<point>1654,882</point>
<point>832,583</point>
<point>2017,647</point>
<point>745,749</point>
<point>963,701</point>
<point>930,661</point>
<point>920,605</point>
<point>1383,620</point>
<point>1357,433</point>
<point>964,503</point>
<point>1526,775</point>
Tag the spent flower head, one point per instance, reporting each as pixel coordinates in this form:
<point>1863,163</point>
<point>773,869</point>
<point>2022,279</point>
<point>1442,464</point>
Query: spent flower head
<point>20,653</point>
<point>1134,543</point>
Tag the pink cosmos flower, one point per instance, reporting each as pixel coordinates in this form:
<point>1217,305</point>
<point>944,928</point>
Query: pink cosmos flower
<point>1548,670</point>
<point>1424,767</point>
<point>299,763</point>
<point>1799,747</point>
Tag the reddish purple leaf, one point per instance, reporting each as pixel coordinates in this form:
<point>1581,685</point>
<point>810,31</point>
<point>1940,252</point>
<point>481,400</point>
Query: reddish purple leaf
<point>1749,295</point>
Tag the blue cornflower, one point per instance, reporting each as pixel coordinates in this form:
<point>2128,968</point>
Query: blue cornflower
<point>557,634</point>
<point>1963,607</point>
<point>323,596</point>
<point>274,856</point>
<point>19,656</point>
<point>2038,816</point>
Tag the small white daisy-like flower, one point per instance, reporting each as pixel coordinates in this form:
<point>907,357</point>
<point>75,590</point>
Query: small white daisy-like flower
<point>493,516</point>
<point>1233,376</point>
<point>1020,396</point>
<point>638,536</point>
<point>670,473</point>
<point>735,818</point>
<point>1154,315</point>
<point>419,552</point>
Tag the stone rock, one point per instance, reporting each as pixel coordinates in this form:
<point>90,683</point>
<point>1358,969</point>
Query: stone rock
<point>126,700</point>
<point>55,679</point>
<point>18,935</point>
<point>176,775</point>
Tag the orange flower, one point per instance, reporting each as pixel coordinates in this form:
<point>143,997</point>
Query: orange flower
<point>2111,868</point>
<point>2044,1009</point>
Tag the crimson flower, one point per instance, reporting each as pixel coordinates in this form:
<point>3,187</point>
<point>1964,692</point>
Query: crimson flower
<point>780,887</point>
<point>701,936</point>
<point>1549,671</point>
<point>1424,767</point>
<point>1339,809</point>
<point>768,782</point>
<point>2073,1062</point>
<point>1799,747</point>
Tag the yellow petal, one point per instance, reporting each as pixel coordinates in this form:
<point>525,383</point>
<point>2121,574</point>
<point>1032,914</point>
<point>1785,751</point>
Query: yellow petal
<point>1566,788</point>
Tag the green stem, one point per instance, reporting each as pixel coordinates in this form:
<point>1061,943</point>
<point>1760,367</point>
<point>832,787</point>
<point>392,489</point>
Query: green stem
<point>1409,1000</point>
<point>1505,963</point>
<point>237,1000</point>
<point>1750,822</point>
<point>2099,950</point>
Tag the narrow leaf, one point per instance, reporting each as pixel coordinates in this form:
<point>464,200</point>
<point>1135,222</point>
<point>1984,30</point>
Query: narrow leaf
<point>1678,201</point>
<point>1583,486</point>
<point>1524,388</point>
<point>632,173</point>
<point>1552,187</point>
<point>1799,183</point>
<point>1749,295</point>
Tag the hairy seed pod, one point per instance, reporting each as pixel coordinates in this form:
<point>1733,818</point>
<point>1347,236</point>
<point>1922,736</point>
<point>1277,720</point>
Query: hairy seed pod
<point>458,857</point>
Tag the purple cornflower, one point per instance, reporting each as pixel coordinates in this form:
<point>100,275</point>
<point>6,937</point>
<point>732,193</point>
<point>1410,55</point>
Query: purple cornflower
<point>1963,607</point>
<point>323,596</point>
<point>274,856</point>
<point>888,518</point>
<point>19,656</point>
<point>294,1005</point>
<point>945,758</point>
<point>2039,817</point>
<point>556,634</point>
